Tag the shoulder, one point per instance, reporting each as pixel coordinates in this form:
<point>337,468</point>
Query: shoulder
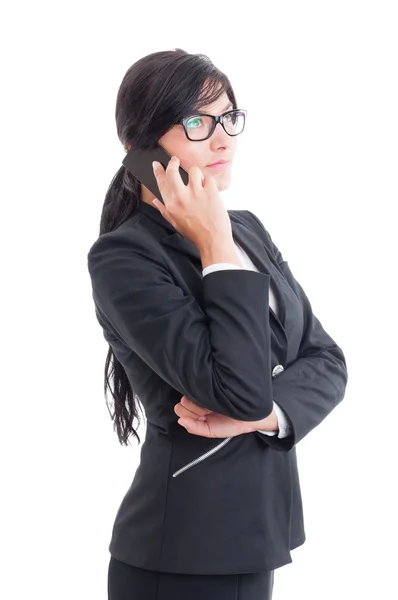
<point>256,226</point>
<point>128,248</point>
<point>250,220</point>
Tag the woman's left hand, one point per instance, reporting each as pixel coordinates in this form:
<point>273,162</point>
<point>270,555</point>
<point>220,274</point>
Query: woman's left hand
<point>206,423</point>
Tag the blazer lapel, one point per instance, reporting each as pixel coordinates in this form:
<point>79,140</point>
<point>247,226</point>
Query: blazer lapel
<point>251,244</point>
<point>257,252</point>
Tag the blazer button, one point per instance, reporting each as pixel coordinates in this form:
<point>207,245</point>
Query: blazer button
<point>276,370</point>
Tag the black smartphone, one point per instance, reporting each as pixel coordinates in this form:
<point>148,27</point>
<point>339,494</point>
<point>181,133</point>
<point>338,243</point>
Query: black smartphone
<point>139,163</point>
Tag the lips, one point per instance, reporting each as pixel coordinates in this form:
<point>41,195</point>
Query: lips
<point>219,162</point>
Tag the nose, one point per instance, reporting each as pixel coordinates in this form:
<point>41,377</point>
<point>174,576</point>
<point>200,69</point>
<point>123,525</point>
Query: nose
<point>220,137</point>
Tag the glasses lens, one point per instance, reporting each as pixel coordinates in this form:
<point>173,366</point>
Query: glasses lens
<point>199,127</point>
<point>234,122</point>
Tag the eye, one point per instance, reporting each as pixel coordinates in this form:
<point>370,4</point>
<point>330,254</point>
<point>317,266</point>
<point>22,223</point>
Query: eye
<point>231,117</point>
<point>194,122</point>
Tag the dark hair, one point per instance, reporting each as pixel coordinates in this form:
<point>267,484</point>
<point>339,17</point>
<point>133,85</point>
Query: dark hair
<point>156,92</point>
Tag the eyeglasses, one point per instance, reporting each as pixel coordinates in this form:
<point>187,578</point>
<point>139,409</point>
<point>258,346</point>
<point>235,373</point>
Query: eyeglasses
<point>200,127</point>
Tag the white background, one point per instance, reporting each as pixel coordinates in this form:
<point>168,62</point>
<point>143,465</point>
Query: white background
<point>317,163</point>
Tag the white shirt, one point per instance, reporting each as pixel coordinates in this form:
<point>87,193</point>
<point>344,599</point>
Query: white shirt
<point>283,422</point>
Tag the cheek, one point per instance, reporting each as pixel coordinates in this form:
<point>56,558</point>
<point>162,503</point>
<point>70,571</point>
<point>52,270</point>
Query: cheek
<point>191,154</point>
<point>190,157</point>
<point>193,157</point>
<point>181,147</point>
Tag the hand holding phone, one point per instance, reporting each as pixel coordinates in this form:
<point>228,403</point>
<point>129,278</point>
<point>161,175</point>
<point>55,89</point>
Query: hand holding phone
<point>139,163</point>
<point>195,210</point>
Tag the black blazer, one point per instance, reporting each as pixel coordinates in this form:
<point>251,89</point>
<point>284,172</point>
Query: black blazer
<point>200,505</point>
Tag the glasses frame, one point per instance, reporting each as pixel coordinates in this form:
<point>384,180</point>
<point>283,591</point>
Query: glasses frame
<point>216,120</point>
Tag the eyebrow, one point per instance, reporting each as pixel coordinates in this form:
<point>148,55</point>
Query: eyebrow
<point>229,105</point>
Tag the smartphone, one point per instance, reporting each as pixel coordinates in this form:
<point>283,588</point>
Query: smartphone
<point>139,163</point>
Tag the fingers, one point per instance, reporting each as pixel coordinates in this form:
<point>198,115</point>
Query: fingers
<point>192,406</point>
<point>160,206</point>
<point>195,179</point>
<point>210,183</point>
<point>182,411</point>
<point>195,427</point>
<point>174,177</point>
<point>170,183</point>
<point>161,180</point>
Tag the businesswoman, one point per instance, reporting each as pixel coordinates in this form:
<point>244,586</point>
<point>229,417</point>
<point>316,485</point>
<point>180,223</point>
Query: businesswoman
<point>212,335</point>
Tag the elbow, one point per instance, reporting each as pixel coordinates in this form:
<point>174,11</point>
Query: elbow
<point>338,375</point>
<point>244,413</point>
<point>258,413</point>
<point>245,403</point>
<point>342,369</point>
<point>248,398</point>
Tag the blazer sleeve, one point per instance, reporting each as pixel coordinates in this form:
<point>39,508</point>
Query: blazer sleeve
<point>216,354</point>
<point>283,423</point>
<point>315,383</point>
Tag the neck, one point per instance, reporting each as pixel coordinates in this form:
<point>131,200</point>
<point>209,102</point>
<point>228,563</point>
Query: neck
<point>146,195</point>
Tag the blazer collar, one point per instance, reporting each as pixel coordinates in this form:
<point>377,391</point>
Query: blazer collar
<point>243,235</point>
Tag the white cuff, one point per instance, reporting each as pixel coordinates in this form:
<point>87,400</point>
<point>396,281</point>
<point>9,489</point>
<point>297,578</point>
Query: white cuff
<point>283,423</point>
<point>219,267</point>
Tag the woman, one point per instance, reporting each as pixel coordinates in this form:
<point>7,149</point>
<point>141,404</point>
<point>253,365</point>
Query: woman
<point>208,328</point>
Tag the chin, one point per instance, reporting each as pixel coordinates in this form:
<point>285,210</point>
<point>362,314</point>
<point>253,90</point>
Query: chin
<point>223,182</point>
<point>224,185</point>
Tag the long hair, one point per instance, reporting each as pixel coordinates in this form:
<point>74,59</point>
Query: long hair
<point>156,92</point>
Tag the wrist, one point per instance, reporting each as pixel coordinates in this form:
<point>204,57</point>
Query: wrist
<point>219,252</point>
<point>269,423</point>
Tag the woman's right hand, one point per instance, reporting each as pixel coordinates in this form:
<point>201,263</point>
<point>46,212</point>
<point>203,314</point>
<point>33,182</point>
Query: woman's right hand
<point>206,423</point>
<point>195,210</point>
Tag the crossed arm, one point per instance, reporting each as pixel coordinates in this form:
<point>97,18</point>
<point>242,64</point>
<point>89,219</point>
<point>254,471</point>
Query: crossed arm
<point>205,423</point>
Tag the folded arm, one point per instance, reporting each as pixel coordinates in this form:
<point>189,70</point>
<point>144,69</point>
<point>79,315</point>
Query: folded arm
<point>216,354</point>
<point>315,383</point>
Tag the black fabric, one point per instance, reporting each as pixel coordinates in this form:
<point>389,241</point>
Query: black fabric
<point>217,341</point>
<point>126,582</point>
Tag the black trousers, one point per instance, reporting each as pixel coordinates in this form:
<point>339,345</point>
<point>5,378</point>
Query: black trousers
<point>126,582</point>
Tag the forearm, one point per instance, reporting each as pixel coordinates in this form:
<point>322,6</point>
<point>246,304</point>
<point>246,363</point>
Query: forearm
<point>219,251</point>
